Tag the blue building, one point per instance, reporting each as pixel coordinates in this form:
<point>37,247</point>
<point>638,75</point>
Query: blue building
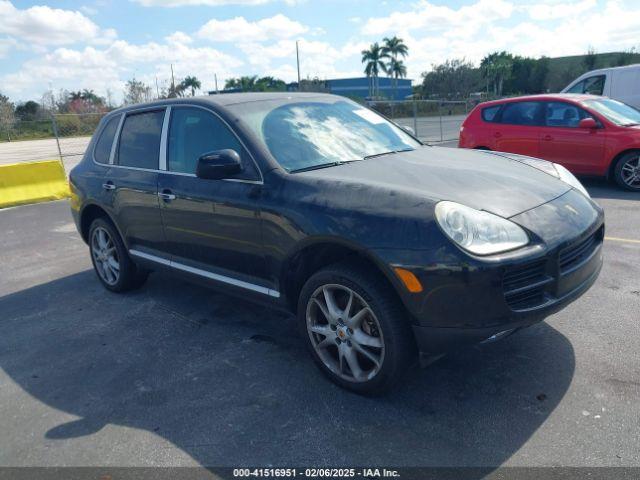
<point>359,87</point>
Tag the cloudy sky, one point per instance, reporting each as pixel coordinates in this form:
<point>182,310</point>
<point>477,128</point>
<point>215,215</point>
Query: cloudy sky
<point>99,44</point>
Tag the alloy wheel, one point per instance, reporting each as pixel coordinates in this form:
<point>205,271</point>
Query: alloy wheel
<point>345,333</point>
<point>630,172</point>
<point>105,256</point>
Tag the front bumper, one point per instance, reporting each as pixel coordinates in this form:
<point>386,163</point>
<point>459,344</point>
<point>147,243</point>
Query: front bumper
<point>470,299</point>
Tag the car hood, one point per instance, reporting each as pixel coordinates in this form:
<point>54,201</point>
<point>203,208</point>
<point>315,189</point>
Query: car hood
<point>490,181</point>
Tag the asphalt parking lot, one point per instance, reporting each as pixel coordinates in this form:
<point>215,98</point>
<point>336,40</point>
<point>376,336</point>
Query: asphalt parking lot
<point>174,374</point>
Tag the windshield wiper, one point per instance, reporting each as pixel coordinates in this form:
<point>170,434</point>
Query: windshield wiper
<point>388,153</point>
<point>322,165</point>
<point>630,124</point>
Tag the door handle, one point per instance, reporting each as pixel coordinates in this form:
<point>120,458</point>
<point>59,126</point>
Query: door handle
<point>108,185</point>
<point>166,195</point>
<point>548,138</point>
<point>497,134</point>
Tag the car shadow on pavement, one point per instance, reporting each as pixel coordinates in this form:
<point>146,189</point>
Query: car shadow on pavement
<point>231,384</point>
<point>601,188</point>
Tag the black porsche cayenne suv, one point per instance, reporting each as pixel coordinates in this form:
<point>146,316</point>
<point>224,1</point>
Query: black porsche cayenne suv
<point>387,250</point>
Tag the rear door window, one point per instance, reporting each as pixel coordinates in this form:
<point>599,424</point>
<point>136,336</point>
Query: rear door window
<point>102,151</point>
<point>139,144</point>
<point>521,113</point>
<point>489,113</point>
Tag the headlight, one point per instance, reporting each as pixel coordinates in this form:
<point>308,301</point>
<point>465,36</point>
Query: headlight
<point>479,232</point>
<point>567,177</point>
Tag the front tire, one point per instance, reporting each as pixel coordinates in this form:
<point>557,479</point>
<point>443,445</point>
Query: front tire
<point>355,328</point>
<point>627,171</point>
<point>111,262</point>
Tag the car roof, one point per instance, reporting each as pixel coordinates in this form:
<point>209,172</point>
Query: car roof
<point>575,97</point>
<point>223,100</point>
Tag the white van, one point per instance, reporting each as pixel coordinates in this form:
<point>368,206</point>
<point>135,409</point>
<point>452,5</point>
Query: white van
<point>619,83</point>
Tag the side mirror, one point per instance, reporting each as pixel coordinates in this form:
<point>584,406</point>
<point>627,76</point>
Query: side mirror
<point>588,123</point>
<point>409,130</point>
<point>219,164</point>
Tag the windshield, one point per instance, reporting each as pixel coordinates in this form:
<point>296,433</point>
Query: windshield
<point>616,112</point>
<point>321,132</point>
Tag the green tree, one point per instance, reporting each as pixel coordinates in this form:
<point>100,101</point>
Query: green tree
<point>244,83</point>
<point>395,47</point>
<point>7,118</point>
<point>191,83</point>
<point>590,59</point>
<point>136,92</point>
<point>455,78</point>
<point>374,63</point>
<point>626,57</point>
<point>28,111</point>
<point>496,68</point>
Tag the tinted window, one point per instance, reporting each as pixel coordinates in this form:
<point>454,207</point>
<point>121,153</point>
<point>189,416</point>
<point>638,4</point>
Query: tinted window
<point>521,113</point>
<point>591,85</point>
<point>616,112</point>
<point>194,132</point>
<point>560,114</point>
<point>102,151</point>
<point>139,144</point>
<point>489,113</point>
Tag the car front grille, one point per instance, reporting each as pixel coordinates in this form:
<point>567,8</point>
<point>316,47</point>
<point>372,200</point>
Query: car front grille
<point>524,286</point>
<point>572,257</point>
<point>533,284</point>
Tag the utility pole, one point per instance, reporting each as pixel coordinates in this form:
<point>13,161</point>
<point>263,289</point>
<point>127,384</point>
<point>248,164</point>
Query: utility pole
<point>298,63</point>
<point>173,84</point>
<point>157,89</point>
<point>215,77</point>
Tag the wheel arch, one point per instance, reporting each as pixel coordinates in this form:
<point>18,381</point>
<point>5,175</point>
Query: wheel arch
<point>88,214</point>
<point>616,158</point>
<point>314,254</point>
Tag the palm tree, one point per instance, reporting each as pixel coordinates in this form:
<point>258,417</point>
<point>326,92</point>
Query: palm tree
<point>395,47</point>
<point>396,69</point>
<point>374,63</point>
<point>191,82</point>
<point>496,68</point>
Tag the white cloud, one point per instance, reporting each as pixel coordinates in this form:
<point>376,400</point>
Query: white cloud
<point>107,68</point>
<point>180,38</point>
<point>7,44</point>
<point>42,25</point>
<point>553,28</point>
<point>430,17</point>
<point>211,3</point>
<point>555,11</point>
<point>238,29</point>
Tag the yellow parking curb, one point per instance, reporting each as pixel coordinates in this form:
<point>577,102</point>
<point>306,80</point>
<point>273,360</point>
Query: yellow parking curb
<point>31,182</point>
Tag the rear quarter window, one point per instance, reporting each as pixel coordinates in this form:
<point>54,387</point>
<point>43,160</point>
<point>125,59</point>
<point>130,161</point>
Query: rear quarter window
<point>102,151</point>
<point>489,113</point>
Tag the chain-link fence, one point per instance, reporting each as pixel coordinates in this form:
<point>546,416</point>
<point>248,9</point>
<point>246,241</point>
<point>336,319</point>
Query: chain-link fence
<point>432,120</point>
<point>63,136</point>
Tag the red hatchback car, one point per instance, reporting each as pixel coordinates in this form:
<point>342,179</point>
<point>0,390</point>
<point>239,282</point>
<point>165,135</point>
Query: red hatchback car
<point>587,134</point>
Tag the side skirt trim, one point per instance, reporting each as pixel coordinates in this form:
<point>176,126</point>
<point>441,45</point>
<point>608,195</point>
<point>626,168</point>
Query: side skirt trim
<point>204,273</point>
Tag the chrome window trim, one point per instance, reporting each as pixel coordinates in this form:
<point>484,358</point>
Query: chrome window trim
<point>240,180</point>
<point>204,273</point>
<point>126,114</point>
<point>114,145</point>
<point>115,135</point>
<point>162,161</point>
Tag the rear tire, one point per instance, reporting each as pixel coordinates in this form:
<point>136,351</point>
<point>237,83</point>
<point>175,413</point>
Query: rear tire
<point>627,171</point>
<point>356,328</point>
<point>111,262</point>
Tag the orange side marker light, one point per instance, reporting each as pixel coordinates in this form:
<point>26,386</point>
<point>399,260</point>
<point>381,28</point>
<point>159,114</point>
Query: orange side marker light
<point>409,279</point>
